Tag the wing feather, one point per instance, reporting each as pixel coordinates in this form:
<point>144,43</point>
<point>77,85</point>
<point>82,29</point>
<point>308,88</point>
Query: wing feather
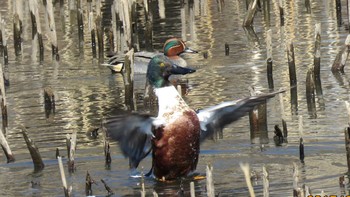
<point>215,118</point>
<point>134,134</point>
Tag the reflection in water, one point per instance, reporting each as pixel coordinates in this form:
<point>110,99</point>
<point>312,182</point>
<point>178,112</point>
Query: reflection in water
<point>85,93</point>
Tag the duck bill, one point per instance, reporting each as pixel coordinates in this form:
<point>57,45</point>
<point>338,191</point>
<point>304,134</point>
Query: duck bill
<point>178,70</point>
<point>188,50</point>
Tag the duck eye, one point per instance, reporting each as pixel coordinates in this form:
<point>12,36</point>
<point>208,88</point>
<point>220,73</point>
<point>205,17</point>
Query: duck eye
<point>162,64</point>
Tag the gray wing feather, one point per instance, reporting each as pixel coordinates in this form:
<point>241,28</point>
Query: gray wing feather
<point>134,134</point>
<point>215,118</point>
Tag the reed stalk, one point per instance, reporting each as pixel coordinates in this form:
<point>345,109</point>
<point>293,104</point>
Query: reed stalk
<point>129,79</point>
<point>210,182</point>
<point>36,28</point>
<point>17,26</point>
<point>246,171</point>
<point>192,190</point>
<point>1,39</point>
<point>341,58</point>
<point>317,51</point>
<point>88,184</point>
<point>280,5</point>
<point>80,24</point>
<point>71,142</point>
<point>51,27</point>
<point>3,98</point>
<point>99,30</point>
<point>249,17</point>
<point>67,191</point>
<point>109,190</point>
<point>4,42</point>
<point>6,148</point>
<point>227,49</point>
<point>301,141</point>
<point>338,12</point>
<point>310,93</point>
<point>34,152</point>
<point>266,182</point>
<point>269,61</point>
<point>291,64</point>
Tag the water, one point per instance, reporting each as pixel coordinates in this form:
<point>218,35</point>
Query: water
<point>85,92</point>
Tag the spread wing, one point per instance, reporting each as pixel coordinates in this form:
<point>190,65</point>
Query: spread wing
<point>134,134</point>
<point>215,118</point>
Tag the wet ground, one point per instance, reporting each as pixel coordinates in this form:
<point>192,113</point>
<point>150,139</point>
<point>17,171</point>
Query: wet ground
<point>85,92</point>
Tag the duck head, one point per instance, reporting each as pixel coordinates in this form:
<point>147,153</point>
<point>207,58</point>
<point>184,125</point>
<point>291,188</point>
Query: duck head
<point>175,46</point>
<point>160,68</point>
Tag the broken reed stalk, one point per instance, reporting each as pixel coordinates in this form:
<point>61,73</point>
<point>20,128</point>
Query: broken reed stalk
<point>317,51</point>
<point>134,27</point>
<point>297,191</point>
<point>67,191</point>
<point>269,59</point>
<point>49,99</point>
<point>308,6</point>
<point>3,99</point>
<point>280,4</point>
<point>278,138</point>
<point>192,190</point>
<point>310,93</point>
<point>57,153</point>
<point>4,41</point>
<point>129,79</point>
<point>71,142</point>
<point>301,141</point>
<point>291,64</point>
<point>227,49</point>
<point>249,17</point>
<point>155,194</point>
<point>80,24</point>
<point>107,151</point>
<point>6,148</point>
<point>348,12</point>
<point>88,184</point>
<point>210,182</point>
<point>1,40</point>
<point>285,130</point>
<point>114,26</point>
<point>92,28</point>
<point>17,26</point>
<point>338,11</point>
<point>339,62</point>
<point>284,124</point>
<point>36,29</point>
<point>266,5</point>
<point>51,26</point>
<point>143,190</point>
<point>34,152</point>
<point>246,170</point>
<point>292,77</point>
<point>98,23</point>
<point>266,182</point>
<point>347,136</point>
<point>148,27</point>
<point>125,16</point>
<point>109,190</point>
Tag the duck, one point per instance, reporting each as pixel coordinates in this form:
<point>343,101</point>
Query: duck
<point>173,138</point>
<point>173,48</point>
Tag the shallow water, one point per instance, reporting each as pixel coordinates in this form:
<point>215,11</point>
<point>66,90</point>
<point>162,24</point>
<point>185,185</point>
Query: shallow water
<point>85,92</point>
